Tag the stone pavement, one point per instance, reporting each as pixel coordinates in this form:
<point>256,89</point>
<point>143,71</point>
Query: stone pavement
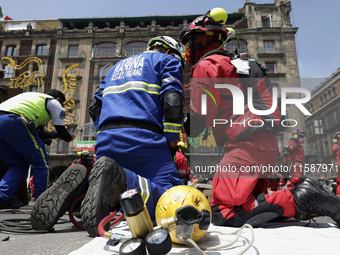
<point>65,238</point>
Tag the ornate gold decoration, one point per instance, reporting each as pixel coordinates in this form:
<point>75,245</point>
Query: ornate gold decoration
<point>70,83</point>
<point>27,78</point>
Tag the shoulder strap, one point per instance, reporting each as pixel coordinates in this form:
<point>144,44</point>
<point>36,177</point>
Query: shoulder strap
<point>217,51</point>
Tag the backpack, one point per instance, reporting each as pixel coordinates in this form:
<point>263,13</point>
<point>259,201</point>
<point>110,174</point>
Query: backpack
<point>262,94</point>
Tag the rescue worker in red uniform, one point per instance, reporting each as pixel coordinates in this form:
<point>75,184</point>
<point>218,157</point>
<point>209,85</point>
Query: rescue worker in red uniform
<point>336,153</point>
<point>276,182</point>
<point>182,164</point>
<point>238,196</point>
<point>86,159</point>
<point>294,155</point>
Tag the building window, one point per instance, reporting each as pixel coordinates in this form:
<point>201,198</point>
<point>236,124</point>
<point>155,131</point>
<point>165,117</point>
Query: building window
<point>321,100</point>
<point>103,71</point>
<point>269,46</point>
<point>106,50</point>
<point>41,50</point>
<point>73,51</point>
<point>8,71</point>
<point>267,21</point>
<point>62,147</point>
<point>34,89</point>
<point>135,48</point>
<point>232,46</point>
<point>271,67</point>
<point>38,73</point>
<point>11,50</point>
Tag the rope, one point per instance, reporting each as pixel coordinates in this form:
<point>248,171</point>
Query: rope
<point>190,242</point>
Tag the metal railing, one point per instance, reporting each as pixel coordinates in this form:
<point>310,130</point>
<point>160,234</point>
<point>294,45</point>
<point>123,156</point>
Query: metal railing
<point>67,54</point>
<point>262,24</point>
<point>271,51</point>
<point>60,150</point>
<point>45,53</point>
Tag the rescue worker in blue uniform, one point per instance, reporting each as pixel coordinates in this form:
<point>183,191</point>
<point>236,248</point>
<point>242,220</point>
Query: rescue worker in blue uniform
<point>20,145</point>
<point>138,112</point>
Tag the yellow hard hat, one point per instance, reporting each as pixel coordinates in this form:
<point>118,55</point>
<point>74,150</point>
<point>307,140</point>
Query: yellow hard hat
<point>181,144</point>
<point>218,15</point>
<point>177,197</point>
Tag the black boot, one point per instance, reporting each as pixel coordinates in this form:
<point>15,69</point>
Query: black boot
<point>5,205</point>
<point>312,198</point>
<point>107,181</point>
<point>55,201</point>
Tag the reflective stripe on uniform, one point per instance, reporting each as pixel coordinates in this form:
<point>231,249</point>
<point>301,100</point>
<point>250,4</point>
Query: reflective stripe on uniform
<point>37,147</point>
<point>144,188</point>
<point>172,127</point>
<point>135,85</point>
<point>182,171</point>
<point>171,78</point>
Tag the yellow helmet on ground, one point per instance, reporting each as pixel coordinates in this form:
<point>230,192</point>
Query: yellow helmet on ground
<point>178,197</point>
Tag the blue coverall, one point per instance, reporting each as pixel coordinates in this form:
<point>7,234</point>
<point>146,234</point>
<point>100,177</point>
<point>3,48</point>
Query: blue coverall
<point>133,91</point>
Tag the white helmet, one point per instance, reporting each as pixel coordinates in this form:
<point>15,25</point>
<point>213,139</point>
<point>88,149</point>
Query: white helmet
<point>167,42</point>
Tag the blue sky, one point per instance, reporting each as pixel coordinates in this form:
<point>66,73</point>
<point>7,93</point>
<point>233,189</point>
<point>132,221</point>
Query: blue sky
<point>318,37</point>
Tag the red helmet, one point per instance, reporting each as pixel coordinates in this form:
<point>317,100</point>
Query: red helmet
<point>212,23</point>
<point>300,132</point>
<point>337,135</point>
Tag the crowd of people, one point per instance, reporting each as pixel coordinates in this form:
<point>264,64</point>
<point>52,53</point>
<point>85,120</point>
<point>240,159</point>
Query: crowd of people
<point>137,145</point>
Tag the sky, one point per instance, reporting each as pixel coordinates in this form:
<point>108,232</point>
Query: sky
<point>318,22</point>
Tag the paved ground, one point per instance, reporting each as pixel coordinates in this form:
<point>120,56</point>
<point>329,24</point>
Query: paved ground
<point>65,239</point>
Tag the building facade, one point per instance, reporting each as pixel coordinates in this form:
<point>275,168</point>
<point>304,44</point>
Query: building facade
<point>74,56</point>
<point>322,124</point>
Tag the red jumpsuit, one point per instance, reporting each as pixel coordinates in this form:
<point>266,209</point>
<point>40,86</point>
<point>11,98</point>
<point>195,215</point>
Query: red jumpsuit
<point>336,153</point>
<point>297,157</point>
<point>234,189</point>
<point>276,181</point>
<point>182,166</point>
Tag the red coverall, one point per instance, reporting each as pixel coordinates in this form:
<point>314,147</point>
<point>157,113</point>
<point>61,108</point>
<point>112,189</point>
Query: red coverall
<point>336,153</point>
<point>182,166</point>
<point>275,181</point>
<point>238,188</point>
<point>297,155</point>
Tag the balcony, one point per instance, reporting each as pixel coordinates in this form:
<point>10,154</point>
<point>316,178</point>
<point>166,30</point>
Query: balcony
<point>26,54</point>
<point>271,24</point>
<point>60,151</point>
<point>67,55</point>
<point>266,52</point>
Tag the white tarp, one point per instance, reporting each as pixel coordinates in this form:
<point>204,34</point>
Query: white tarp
<point>275,238</point>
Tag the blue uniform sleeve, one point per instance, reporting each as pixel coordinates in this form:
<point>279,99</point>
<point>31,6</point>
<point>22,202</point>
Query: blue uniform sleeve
<point>98,102</point>
<point>171,80</point>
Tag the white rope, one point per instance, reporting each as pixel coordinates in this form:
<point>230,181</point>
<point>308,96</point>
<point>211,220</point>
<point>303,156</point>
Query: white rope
<point>190,242</point>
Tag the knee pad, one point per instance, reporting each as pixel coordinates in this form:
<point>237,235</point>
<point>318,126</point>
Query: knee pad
<point>264,212</point>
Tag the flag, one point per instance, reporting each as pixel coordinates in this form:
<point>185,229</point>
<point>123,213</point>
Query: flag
<point>3,16</point>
